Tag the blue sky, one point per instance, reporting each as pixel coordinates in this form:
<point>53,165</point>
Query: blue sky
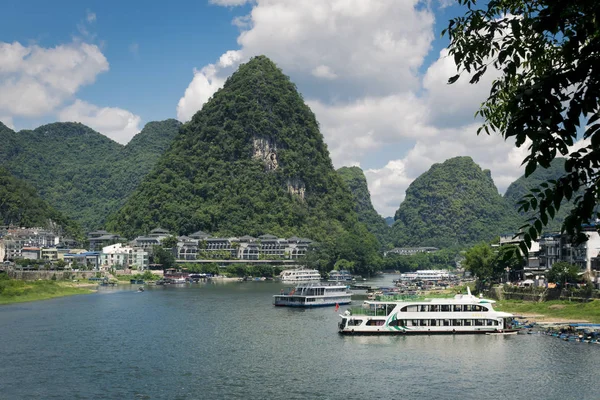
<point>371,71</point>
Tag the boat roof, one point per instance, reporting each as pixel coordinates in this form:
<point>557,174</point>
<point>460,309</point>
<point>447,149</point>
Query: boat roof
<point>458,299</point>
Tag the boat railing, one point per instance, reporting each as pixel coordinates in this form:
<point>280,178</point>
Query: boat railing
<point>369,312</point>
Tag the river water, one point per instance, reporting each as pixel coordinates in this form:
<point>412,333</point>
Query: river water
<point>227,341</point>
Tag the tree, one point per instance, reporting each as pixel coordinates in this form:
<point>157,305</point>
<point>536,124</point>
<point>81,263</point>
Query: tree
<point>163,257</point>
<point>509,259</point>
<point>547,53</point>
<point>562,272</point>
<point>169,242</point>
<point>480,260</point>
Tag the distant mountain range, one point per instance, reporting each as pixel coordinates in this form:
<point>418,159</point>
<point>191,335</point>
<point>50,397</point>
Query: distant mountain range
<point>252,161</point>
<point>79,171</point>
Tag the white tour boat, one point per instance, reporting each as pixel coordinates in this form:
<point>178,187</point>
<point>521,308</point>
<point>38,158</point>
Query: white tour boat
<point>340,276</point>
<point>461,314</point>
<point>300,275</point>
<point>313,295</point>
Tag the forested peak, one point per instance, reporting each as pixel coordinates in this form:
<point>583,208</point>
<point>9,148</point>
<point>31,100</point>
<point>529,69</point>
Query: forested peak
<point>69,130</point>
<point>251,161</point>
<point>156,134</point>
<point>453,203</point>
<point>353,172</point>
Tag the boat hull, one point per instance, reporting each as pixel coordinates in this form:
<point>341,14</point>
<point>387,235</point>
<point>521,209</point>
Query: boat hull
<point>307,305</point>
<point>427,333</point>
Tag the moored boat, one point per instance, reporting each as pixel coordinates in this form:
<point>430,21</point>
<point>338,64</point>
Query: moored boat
<point>340,276</point>
<point>300,275</point>
<point>461,314</point>
<point>313,295</point>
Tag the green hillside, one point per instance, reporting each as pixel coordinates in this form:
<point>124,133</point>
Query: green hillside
<point>375,223</point>
<point>252,161</point>
<point>522,186</point>
<point>79,171</point>
<point>455,203</point>
<point>20,205</point>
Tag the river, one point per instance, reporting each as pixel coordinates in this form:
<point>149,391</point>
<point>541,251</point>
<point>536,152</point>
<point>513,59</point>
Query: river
<point>227,341</point>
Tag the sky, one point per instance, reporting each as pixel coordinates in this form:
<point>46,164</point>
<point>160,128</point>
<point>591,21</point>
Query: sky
<point>374,72</point>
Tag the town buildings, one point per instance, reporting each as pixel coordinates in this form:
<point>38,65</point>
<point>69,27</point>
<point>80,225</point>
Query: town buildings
<point>107,250</point>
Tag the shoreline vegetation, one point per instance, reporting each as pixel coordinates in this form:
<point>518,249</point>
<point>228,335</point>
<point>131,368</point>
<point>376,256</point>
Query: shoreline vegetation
<point>18,291</point>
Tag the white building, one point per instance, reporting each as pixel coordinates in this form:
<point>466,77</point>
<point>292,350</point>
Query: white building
<point>120,257</point>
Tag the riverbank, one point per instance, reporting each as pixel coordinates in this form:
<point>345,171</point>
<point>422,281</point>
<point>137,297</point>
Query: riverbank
<point>552,311</point>
<point>17,291</point>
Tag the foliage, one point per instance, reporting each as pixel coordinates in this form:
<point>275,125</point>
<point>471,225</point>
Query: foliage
<point>453,204</point>
<point>162,256</point>
<point>562,272</point>
<point>356,181</point>
<point>357,247</point>
<point>79,171</point>
<point>20,205</point>
<point>480,261</point>
<point>169,242</point>
<point>549,59</point>
<point>489,265</point>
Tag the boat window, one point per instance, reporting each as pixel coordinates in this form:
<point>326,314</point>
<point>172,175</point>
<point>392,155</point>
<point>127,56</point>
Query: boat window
<point>375,322</point>
<point>467,307</point>
<point>446,322</point>
<point>398,322</point>
<point>390,308</point>
<point>423,322</point>
<point>478,322</point>
<point>457,307</point>
<point>310,299</point>
<point>434,308</point>
<point>457,322</point>
<point>477,308</point>
<point>355,322</point>
<point>423,308</point>
<point>445,307</point>
<point>415,322</point>
<point>410,309</point>
<point>433,322</point>
<point>467,322</point>
<point>491,322</point>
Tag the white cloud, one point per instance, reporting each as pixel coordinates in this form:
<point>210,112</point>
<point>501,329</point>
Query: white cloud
<point>323,71</point>
<point>202,87</point>
<point>454,104</point>
<point>90,17</point>
<point>352,130</point>
<point>34,81</point>
<point>230,58</point>
<point>118,124</point>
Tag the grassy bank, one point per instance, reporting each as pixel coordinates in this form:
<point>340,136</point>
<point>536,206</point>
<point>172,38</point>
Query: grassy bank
<point>16,291</point>
<point>551,310</point>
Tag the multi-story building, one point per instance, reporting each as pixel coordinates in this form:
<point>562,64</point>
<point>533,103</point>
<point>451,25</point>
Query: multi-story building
<point>100,239</point>
<point>121,257</point>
